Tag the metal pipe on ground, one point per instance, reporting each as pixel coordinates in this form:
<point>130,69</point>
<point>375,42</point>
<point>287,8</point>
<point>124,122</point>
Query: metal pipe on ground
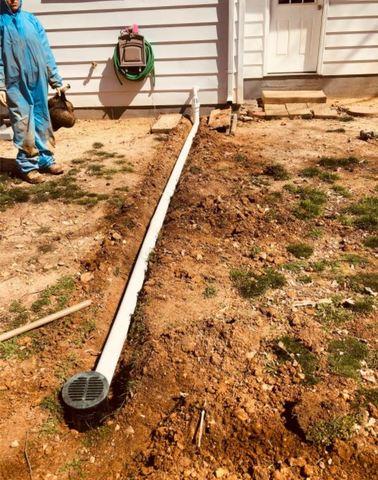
<point>86,392</point>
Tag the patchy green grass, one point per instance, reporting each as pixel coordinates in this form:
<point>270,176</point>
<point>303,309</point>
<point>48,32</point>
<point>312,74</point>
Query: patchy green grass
<point>66,190</point>
<point>65,366</point>
<point>11,195</point>
<point>324,433</point>
<point>366,211</point>
<point>311,201</point>
<point>312,172</point>
<point>20,314</point>
<point>295,267</point>
<point>333,163</point>
<point>328,177</point>
<point>210,291</point>
<point>85,331</point>
<point>306,279</point>
<point>315,233</point>
<point>364,396</point>
<point>96,435</point>
<point>345,356</point>
<point>361,281</point>
<point>74,469</point>
<point>10,348</point>
<point>290,348</point>
<point>300,250</point>
<point>49,427</point>
<point>363,305</point>
<point>254,251</point>
<point>52,405</point>
<point>371,242</point>
<point>251,285</point>
<point>272,198</point>
<point>331,314</point>
<point>276,171</point>
<point>58,294</point>
<point>340,190</point>
<point>355,260</point>
<point>322,265</point>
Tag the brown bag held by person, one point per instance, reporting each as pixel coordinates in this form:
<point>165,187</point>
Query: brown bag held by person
<point>61,111</point>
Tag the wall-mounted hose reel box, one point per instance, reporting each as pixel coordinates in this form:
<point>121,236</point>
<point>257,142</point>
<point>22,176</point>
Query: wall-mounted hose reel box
<point>133,57</point>
<point>131,50</point>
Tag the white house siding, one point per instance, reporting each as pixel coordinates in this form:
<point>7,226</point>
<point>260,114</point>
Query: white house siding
<point>351,41</point>
<point>189,39</point>
<point>254,38</point>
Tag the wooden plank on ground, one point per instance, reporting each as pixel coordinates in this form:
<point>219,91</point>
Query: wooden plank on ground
<point>298,110</point>
<point>275,111</point>
<point>166,123</point>
<point>323,111</point>
<point>293,96</point>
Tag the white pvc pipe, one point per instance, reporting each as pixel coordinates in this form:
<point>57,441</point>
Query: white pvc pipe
<point>118,333</point>
<point>231,51</point>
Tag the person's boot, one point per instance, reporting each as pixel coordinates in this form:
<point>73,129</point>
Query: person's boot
<point>54,169</point>
<point>32,177</point>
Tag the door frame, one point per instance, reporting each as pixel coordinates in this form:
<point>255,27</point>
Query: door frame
<point>319,67</point>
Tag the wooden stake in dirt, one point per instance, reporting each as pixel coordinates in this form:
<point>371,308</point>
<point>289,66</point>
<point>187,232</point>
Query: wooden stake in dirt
<point>200,427</point>
<point>45,320</point>
<point>27,457</point>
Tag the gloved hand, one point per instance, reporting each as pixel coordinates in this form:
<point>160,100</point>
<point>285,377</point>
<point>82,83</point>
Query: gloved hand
<point>3,98</point>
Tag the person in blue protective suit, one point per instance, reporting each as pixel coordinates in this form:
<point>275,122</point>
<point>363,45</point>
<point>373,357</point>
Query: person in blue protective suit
<point>27,66</point>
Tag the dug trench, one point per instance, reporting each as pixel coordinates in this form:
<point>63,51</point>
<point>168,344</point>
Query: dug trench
<point>258,310</point>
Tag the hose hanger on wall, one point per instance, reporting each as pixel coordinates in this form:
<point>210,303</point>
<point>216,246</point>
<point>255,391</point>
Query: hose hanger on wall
<point>133,57</point>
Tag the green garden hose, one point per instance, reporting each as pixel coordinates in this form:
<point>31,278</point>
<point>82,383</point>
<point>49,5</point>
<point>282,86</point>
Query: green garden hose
<point>149,69</point>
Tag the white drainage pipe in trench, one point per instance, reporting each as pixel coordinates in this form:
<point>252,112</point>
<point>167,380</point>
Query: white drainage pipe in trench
<point>87,390</point>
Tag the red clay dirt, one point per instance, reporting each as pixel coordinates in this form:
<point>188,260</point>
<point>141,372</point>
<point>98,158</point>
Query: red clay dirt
<point>197,344</point>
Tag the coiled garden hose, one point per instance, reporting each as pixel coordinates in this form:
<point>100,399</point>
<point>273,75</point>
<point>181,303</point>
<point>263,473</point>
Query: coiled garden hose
<point>149,69</point>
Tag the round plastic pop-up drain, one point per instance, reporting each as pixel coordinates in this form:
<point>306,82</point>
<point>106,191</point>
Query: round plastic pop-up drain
<point>85,391</point>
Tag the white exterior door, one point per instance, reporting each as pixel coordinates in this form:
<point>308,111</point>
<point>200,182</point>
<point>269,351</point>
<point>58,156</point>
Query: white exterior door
<point>294,35</point>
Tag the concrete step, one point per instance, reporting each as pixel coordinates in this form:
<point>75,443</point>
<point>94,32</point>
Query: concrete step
<point>293,96</point>
<point>166,123</point>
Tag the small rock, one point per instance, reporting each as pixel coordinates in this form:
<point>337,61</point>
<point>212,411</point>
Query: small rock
<point>221,472</point>
<point>116,236</point>
<point>250,355</point>
<point>86,277</point>
<point>241,414</point>
<point>117,427</point>
<point>368,375</point>
<point>92,459</point>
<point>129,431</point>
<point>307,470</point>
<point>15,444</point>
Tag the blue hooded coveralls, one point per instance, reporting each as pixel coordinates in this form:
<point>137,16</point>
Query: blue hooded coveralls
<point>27,66</point>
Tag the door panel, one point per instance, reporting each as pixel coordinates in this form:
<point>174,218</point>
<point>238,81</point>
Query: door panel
<point>294,35</point>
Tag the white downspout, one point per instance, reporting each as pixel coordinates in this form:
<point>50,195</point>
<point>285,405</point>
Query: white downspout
<point>231,51</point>
<point>240,54</point>
<point>118,334</point>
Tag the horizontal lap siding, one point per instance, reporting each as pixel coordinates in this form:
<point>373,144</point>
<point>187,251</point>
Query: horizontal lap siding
<point>254,38</point>
<point>351,43</point>
<point>189,40</point>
